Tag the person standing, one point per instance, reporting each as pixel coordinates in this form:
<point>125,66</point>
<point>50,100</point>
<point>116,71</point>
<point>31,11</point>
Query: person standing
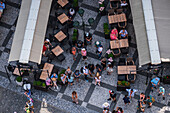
<point>126,99</point>
<point>70,79</point>
<point>85,72</point>
<point>74,53</point>
<point>28,94</point>
<point>74,97</point>
<point>99,68</point>
<point>97,79</point>
<point>99,50</point>
<point>103,63</point>
<point>54,78</point>
<point>97,44</point>
<point>88,39</point>
<point>77,75</point>
<point>48,83</point>
<point>2,7</point>
<point>106,107</point>
<point>161,92</point>
<point>84,53</point>
<point>91,69</point>
<point>68,72</point>
<point>131,92</point>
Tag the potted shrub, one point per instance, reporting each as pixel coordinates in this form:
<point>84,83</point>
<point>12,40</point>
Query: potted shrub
<point>76,4</point>
<point>39,85</point>
<point>75,36</point>
<point>19,81</point>
<point>123,85</point>
<point>106,30</point>
<point>166,79</point>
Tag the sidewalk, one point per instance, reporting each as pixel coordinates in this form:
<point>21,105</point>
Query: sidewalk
<point>13,102</point>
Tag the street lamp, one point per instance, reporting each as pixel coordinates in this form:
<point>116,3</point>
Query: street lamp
<point>77,24</point>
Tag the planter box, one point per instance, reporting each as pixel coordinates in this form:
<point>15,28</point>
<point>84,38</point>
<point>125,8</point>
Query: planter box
<point>41,88</point>
<point>122,88</point>
<point>166,81</point>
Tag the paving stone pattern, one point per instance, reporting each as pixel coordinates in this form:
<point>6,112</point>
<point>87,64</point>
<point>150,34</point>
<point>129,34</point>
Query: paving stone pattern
<point>91,97</point>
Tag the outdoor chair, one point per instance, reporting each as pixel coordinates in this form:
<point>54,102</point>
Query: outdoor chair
<point>122,62</point>
<point>131,78</point>
<point>111,12</point>
<point>125,50</point>
<point>114,4</point>
<point>61,57</point>
<point>122,77</point>
<point>119,11</point>
<point>122,24</point>
<point>130,61</point>
<point>116,52</point>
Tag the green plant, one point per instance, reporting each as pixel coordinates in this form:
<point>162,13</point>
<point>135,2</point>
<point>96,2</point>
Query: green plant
<point>35,83</point>
<point>127,84</point>
<point>39,83</point>
<point>59,75</point>
<point>119,83</point>
<point>19,79</point>
<point>106,28</point>
<point>74,38</point>
<point>123,83</point>
<point>43,84</point>
<point>110,55</point>
<point>75,3</point>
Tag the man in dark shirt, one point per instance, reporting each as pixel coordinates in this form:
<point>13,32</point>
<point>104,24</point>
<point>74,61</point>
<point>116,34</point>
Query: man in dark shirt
<point>91,69</point>
<point>79,45</point>
<point>112,96</point>
<point>99,69</point>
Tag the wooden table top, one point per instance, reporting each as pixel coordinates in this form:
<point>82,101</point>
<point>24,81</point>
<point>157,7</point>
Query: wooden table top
<point>117,18</point>
<point>127,69</point>
<point>123,43</point>
<point>114,44</point>
<point>60,36</point>
<point>44,73</point>
<point>16,71</point>
<point>57,50</point>
<point>62,2</point>
<point>63,18</point>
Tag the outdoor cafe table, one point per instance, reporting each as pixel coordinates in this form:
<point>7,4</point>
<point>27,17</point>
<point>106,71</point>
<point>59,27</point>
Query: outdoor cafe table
<point>117,18</point>
<point>16,71</point>
<point>114,44</point>
<point>130,69</point>
<point>62,2</point>
<point>60,36</point>
<point>63,18</point>
<point>57,50</point>
<point>123,43</point>
<point>44,73</point>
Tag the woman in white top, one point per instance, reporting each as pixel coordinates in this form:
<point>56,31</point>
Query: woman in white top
<point>71,13</point>
<point>97,79</point>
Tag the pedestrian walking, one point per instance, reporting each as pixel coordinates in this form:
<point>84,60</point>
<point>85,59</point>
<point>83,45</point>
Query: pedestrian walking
<point>98,68</point>
<point>150,100</point>
<point>54,78</point>
<point>112,96</point>
<point>97,44</point>
<point>161,92</point>
<point>155,81</point>
<point>74,97</point>
<point>106,107</point>
<point>119,110</point>
<point>131,92</point>
<point>126,99</point>
<point>28,94</point>
<point>142,97</point>
<point>70,79</point>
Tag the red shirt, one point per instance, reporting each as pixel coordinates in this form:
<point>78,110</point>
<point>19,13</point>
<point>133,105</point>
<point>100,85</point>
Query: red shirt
<point>44,48</point>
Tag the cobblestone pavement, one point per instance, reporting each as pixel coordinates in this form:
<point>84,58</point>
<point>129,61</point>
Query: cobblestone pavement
<point>91,97</point>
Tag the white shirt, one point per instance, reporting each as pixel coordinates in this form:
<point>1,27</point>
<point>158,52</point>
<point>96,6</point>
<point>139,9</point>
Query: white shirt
<point>133,93</point>
<point>98,79</point>
<point>124,4</point>
<point>100,49</point>
<point>86,71</point>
